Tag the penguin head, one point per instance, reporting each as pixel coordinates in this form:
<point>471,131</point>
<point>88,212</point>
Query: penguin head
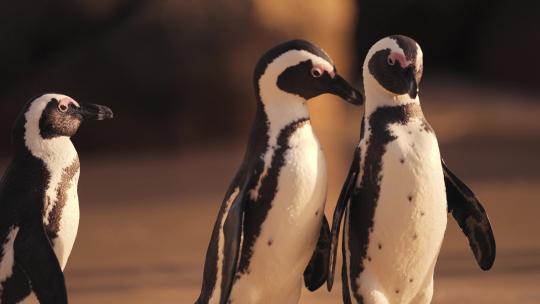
<point>394,66</point>
<point>300,69</point>
<point>52,116</point>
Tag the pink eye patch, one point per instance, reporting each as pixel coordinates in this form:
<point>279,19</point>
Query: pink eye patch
<point>64,103</point>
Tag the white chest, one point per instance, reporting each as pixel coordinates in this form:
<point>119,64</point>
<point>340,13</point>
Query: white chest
<point>410,216</point>
<point>61,209</point>
<point>68,225</point>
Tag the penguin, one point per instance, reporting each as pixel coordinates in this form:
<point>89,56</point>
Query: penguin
<point>39,207</point>
<point>399,190</point>
<point>271,230</point>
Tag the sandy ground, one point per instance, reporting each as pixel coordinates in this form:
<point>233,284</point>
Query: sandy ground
<point>146,219</point>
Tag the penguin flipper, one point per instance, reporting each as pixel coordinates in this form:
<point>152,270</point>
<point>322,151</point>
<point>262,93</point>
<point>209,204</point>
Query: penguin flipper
<point>35,256</point>
<point>232,232</point>
<point>316,272</point>
<point>471,217</point>
<point>341,205</point>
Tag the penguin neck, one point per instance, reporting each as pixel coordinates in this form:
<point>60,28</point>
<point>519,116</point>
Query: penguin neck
<point>57,153</point>
<point>280,109</point>
<point>377,97</point>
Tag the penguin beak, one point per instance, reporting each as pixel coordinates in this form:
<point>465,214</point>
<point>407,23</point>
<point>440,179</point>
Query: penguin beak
<point>343,89</point>
<point>95,112</point>
<point>410,78</point>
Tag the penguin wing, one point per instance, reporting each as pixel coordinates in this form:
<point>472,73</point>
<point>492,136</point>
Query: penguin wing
<point>471,217</point>
<point>224,249</point>
<point>341,204</point>
<point>316,272</point>
<point>34,254</point>
<point>232,231</point>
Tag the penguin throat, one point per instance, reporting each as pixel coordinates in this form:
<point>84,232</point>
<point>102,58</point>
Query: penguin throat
<point>57,153</point>
<point>377,96</point>
<point>282,110</point>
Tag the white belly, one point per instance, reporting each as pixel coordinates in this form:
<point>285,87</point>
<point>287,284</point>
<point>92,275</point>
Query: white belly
<point>291,230</point>
<point>69,224</point>
<point>410,217</point>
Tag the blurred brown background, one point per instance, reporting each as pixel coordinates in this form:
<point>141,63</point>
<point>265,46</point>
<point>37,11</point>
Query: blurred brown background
<point>178,77</point>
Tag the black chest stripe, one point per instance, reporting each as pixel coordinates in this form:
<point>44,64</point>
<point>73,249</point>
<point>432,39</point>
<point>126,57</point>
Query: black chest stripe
<point>256,211</point>
<point>61,199</point>
<point>364,199</point>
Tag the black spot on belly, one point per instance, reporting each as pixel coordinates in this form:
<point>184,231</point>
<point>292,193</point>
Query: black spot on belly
<point>402,160</point>
<point>410,197</point>
<point>426,126</point>
<point>369,259</point>
<point>364,198</point>
<point>411,280</point>
<point>422,213</point>
<point>317,212</point>
<point>380,246</point>
<point>415,236</point>
<point>397,291</point>
<point>270,241</point>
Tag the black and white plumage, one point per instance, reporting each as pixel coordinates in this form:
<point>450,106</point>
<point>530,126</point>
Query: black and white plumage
<point>39,208</point>
<point>271,222</point>
<point>398,190</point>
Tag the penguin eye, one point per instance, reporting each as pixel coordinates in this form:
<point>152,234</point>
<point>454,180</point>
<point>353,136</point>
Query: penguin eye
<point>390,60</point>
<point>62,108</point>
<point>316,72</point>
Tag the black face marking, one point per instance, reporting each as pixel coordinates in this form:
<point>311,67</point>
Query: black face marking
<point>364,198</point>
<point>390,74</point>
<point>61,199</point>
<point>298,80</point>
<point>410,50</point>
<point>391,77</point>
<point>54,122</point>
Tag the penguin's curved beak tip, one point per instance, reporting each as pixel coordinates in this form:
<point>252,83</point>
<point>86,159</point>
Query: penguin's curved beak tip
<point>95,112</point>
<point>343,89</point>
